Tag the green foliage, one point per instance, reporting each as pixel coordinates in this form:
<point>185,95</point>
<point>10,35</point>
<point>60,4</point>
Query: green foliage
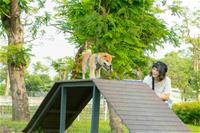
<point>3,72</point>
<point>15,55</point>
<point>30,19</point>
<point>188,112</point>
<point>39,22</point>
<point>195,82</point>
<point>4,7</point>
<point>125,29</point>
<point>63,66</point>
<point>176,8</point>
<point>4,11</point>
<point>182,74</point>
<point>2,89</point>
<point>39,68</point>
<point>38,82</point>
<point>190,22</point>
<point>179,66</point>
<point>25,5</point>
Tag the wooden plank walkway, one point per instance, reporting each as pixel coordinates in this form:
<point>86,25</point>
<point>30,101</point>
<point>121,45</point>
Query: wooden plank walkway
<point>139,108</point>
<point>134,102</point>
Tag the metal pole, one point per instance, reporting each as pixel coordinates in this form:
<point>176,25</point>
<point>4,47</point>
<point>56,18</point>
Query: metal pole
<point>95,110</point>
<point>63,101</point>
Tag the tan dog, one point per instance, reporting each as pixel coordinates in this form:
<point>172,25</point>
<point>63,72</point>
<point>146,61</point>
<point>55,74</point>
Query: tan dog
<point>95,62</point>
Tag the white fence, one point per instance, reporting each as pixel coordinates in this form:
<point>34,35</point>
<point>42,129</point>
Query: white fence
<point>7,101</point>
<point>34,102</point>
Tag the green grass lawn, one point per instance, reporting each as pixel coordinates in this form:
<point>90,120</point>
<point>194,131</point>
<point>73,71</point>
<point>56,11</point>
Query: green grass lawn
<point>194,129</point>
<point>12,125</point>
<point>76,127</point>
<point>82,126</point>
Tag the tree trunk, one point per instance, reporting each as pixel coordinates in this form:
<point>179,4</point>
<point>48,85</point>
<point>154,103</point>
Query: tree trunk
<point>196,59</point>
<point>20,106</point>
<point>12,24</point>
<point>115,122</point>
<point>78,61</point>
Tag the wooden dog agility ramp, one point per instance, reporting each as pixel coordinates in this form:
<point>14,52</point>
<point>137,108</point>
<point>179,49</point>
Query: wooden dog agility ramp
<point>134,102</point>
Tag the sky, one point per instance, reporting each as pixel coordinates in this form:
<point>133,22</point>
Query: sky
<point>55,44</point>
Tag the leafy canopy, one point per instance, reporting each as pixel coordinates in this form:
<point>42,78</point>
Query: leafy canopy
<point>126,29</point>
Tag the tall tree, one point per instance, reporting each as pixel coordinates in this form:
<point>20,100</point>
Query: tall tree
<point>126,29</point>
<point>194,40</point>
<point>179,65</point>
<point>190,33</point>
<point>16,55</point>
<point>191,21</point>
<point>16,60</point>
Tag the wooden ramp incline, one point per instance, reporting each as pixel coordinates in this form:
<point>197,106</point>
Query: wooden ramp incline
<point>139,108</point>
<point>134,102</point>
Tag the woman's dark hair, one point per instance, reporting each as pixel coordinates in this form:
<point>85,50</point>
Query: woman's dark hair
<point>162,69</point>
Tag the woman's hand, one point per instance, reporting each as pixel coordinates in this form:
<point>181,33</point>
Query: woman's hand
<point>164,96</point>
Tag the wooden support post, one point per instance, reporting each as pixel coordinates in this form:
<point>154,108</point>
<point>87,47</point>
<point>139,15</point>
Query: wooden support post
<point>95,110</point>
<point>63,101</point>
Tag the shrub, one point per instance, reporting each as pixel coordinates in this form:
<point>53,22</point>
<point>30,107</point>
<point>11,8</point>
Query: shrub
<point>188,112</point>
<point>2,89</point>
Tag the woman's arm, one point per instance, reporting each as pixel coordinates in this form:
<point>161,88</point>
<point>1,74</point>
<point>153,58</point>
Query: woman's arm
<point>166,93</point>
